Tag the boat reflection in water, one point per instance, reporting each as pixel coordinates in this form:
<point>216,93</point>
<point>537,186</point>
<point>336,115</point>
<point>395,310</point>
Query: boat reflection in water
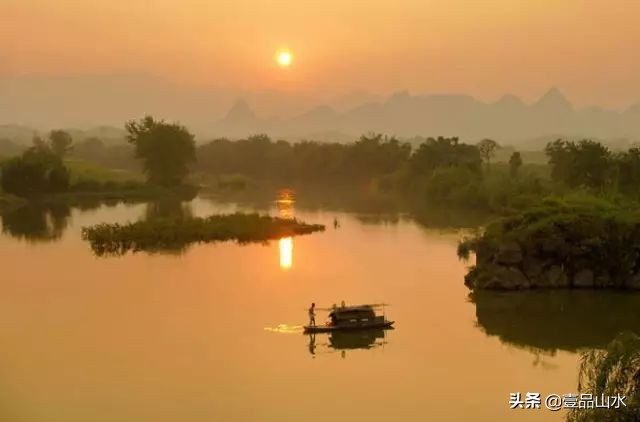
<point>347,340</point>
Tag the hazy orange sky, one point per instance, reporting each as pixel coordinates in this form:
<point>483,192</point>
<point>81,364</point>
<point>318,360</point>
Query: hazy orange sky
<point>588,48</point>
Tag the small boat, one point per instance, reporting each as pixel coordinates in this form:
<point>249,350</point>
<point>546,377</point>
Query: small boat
<point>358,317</point>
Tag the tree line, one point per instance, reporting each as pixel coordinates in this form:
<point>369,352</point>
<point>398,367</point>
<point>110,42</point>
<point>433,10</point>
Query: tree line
<point>165,150</point>
<point>39,169</point>
<point>591,165</point>
<point>442,170</point>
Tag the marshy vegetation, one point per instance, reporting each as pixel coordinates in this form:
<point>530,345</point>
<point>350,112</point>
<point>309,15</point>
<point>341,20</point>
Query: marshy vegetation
<point>159,234</point>
<point>611,372</point>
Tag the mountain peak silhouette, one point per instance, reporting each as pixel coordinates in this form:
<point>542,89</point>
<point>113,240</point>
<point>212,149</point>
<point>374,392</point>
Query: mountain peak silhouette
<point>240,112</point>
<point>509,100</point>
<point>508,119</point>
<point>553,99</point>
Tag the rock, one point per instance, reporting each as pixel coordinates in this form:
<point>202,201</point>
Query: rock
<point>533,268</point>
<point>484,253</point>
<point>471,278</point>
<point>509,254</point>
<point>555,277</point>
<point>504,278</point>
<point>552,245</point>
<point>559,246</point>
<point>578,250</point>
<point>603,281</point>
<point>583,278</point>
<point>633,282</point>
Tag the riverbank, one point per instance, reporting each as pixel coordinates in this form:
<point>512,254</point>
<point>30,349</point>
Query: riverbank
<point>107,194</point>
<point>134,192</point>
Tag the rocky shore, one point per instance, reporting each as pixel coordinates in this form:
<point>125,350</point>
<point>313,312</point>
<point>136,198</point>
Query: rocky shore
<point>557,246</point>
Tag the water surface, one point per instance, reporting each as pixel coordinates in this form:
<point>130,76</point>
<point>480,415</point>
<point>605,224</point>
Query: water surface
<point>212,333</point>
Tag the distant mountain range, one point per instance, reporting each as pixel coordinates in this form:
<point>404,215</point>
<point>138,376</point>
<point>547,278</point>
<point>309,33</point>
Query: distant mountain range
<point>41,102</point>
<point>508,120</point>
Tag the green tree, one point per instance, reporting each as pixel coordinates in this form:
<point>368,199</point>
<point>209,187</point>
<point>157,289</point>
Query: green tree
<point>584,163</point>
<point>487,148</point>
<point>60,141</point>
<point>628,170</point>
<point>515,162</point>
<point>38,170</point>
<point>456,186</point>
<point>165,148</point>
<point>444,152</point>
<point>376,154</point>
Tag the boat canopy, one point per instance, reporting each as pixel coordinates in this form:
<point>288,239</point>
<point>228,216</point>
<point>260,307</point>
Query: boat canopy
<point>352,312</point>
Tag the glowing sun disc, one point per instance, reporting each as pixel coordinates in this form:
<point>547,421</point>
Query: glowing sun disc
<point>284,58</point>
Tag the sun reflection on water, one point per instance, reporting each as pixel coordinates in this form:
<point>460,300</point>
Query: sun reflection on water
<point>285,204</point>
<point>286,252</point>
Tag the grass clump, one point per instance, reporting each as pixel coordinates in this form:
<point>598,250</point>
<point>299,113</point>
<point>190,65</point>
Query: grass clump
<point>177,233</point>
<point>82,171</point>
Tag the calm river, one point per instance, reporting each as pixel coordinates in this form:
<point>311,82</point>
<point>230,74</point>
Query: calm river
<point>212,333</point>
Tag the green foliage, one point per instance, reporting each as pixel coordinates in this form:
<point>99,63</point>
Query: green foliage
<point>487,149</point>
<point>375,154</point>
<point>585,163</point>
<point>515,162</point>
<point>94,185</point>
<point>234,182</point>
<point>611,372</point>
<point>465,247</point>
<point>162,233</point>
<point>259,157</point>
<point>116,156</point>
<point>37,171</point>
<point>456,186</point>
<point>60,142</point>
<point>507,193</point>
<point>81,170</point>
<point>503,153</point>
<point>574,234</point>
<point>166,149</point>
<point>581,213</point>
<point>494,191</point>
<point>628,171</point>
<point>444,152</point>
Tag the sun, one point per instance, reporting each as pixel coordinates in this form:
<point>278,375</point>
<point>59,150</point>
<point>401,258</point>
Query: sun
<point>284,58</point>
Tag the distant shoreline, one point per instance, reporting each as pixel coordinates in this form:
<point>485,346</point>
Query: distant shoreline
<point>143,193</point>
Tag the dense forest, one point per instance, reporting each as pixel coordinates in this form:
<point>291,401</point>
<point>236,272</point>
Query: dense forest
<point>440,171</point>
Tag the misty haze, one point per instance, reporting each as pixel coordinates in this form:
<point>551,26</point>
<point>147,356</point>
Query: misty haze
<point>347,211</point>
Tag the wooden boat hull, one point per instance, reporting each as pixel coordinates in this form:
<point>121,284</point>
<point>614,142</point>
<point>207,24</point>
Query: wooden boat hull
<point>350,327</point>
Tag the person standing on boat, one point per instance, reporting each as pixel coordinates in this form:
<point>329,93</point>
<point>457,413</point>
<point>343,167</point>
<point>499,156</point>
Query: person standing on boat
<point>312,315</point>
